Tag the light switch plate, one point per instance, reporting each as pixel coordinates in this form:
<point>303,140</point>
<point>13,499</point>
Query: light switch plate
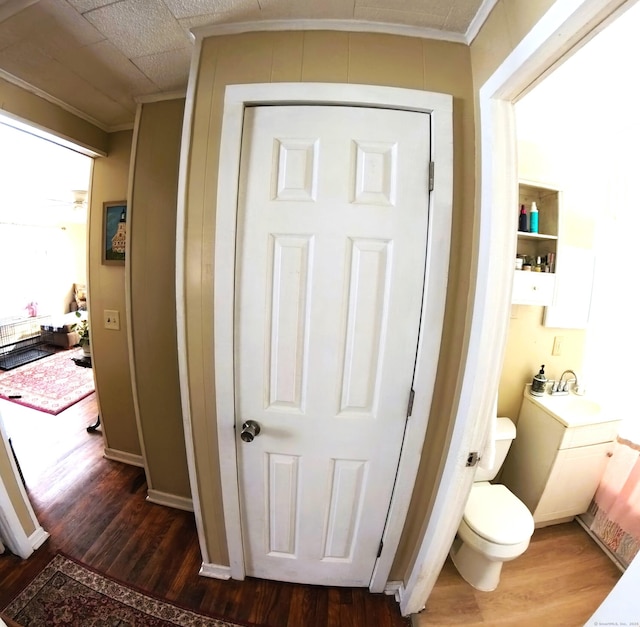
<point>112,319</point>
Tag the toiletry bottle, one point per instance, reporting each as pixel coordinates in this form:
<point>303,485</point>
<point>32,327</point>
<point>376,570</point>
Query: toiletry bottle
<point>533,218</point>
<point>522,220</point>
<point>539,383</point>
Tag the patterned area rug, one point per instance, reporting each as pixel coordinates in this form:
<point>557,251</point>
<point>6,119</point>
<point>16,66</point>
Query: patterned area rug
<point>67,593</point>
<point>51,384</point>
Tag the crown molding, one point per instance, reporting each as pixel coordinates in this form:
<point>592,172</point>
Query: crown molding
<point>167,95</point>
<point>386,28</point>
<point>479,19</point>
<point>36,91</point>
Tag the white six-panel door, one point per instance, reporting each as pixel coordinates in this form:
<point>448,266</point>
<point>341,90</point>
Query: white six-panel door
<point>332,238</point>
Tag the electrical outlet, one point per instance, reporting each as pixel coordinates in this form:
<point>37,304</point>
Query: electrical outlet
<point>112,319</point>
<point>557,345</point>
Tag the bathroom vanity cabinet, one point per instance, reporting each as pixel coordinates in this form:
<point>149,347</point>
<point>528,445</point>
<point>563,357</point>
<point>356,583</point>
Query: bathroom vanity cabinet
<point>529,287</point>
<point>555,464</point>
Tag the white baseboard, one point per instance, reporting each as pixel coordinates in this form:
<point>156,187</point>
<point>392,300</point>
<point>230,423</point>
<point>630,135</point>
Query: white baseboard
<point>215,571</point>
<point>38,538</point>
<point>170,500</point>
<point>124,457</point>
<point>395,588</point>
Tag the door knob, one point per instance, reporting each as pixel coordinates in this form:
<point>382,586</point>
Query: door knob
<point>250,429</point>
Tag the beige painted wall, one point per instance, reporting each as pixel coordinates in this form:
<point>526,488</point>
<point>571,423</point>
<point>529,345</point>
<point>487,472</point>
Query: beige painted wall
<point>504,29</point>
<point>28,107</point>
<point>152,229</point>
<point>332,57</point>
<point>530,343</point>
<point>106,291</point>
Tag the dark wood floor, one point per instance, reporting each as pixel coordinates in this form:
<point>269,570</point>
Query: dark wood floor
<point>95,511</point>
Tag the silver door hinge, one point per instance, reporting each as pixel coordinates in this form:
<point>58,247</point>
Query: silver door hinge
<point>412,395</point>
<point>380,548</point>
<point>473,458</point>
<point>432,167</point>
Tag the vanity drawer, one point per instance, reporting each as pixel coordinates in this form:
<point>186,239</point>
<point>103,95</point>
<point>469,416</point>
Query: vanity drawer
<point>590,434</point>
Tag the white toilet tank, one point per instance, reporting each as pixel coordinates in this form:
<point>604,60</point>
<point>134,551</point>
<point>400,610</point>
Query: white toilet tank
<point>505,433</point>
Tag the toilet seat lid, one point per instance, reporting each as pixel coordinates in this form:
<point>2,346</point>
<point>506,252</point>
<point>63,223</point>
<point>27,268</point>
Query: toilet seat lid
<point>498,515</point>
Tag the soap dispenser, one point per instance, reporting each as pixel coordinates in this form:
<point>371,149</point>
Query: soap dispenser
<point>539,383</point>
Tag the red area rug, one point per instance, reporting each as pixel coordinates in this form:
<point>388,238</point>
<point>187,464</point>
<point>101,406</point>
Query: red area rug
<point>51,384</point>
<point>68,593</point>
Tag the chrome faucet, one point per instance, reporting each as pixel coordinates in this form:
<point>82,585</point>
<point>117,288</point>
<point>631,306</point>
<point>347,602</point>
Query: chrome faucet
<point>561,386</point>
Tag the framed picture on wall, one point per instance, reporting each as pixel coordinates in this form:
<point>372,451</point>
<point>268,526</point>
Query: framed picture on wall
<point>114,232</point>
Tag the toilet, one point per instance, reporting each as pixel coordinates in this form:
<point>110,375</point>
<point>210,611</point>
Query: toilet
<point>496,526</point>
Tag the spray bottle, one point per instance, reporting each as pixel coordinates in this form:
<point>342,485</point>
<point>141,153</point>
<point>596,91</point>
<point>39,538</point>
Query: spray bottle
<point>533,218</point>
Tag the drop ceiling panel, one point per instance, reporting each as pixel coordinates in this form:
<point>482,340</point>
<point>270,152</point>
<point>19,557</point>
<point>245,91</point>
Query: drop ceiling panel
<point>139,27</point>
<point>62,83</point>
<point>396,16</point>
<point>196,8</point>
<point>103,65</point>
<point>168,70</point>
<point>99,55</point>
<point>306,9</point>
<point>83,6</point>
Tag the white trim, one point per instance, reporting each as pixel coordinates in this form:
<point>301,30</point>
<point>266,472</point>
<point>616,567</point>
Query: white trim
<point>127,126</point>
<point>38,538</point>
<point>168,95</point>
<point>170,500</point>
<point>181,316</point>
<point>44,133</point>
<point>395,589</point>
<point>36,91</point>
<point>352,26</point>
<point>215,571</point>
<point>124,457</point>
<point>127,299</point>
<point>440,107</point>
<point>479,19</point>
<point>11,529</point>
<point>551,36</point>
<point>429,343</point>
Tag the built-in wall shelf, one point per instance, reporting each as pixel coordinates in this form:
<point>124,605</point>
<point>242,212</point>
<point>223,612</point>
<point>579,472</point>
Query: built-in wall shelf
<point>535,236</point>
<point>536,284</point>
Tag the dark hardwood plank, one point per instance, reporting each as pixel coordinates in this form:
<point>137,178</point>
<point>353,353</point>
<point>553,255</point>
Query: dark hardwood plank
<point>96,512</point>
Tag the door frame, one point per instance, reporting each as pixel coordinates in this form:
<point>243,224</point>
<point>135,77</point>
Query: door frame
<point>562,30</point>
<point>440,108</point>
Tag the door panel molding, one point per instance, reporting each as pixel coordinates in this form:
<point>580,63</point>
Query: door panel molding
<point>439,106</point>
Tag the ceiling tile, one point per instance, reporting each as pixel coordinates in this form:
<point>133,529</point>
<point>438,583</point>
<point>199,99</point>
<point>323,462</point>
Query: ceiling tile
<point>461,16</point>
<point>110,72</point>
<point>307,9</point>
<point>62,83</point>
<point>195,8</point>
<point>139,27</point>
<point>432,7</point>
<point>52,23</point>
<point>168,70</point>
<point>88,5</point>
<point>394,16</point>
